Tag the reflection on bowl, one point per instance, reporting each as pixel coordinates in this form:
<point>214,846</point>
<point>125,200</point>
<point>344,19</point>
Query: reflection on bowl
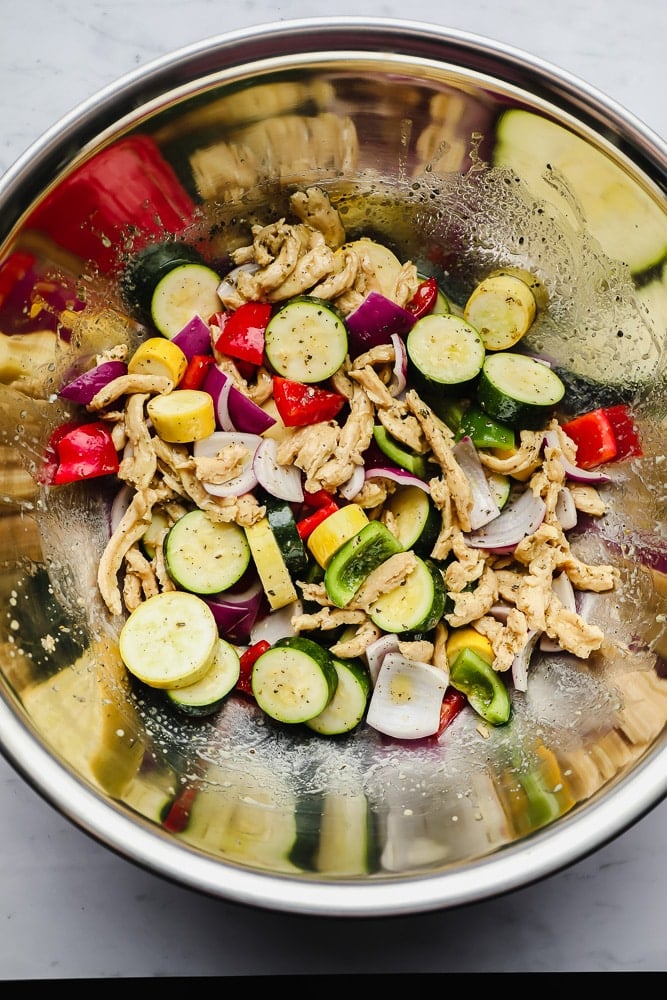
<point>463,158</point>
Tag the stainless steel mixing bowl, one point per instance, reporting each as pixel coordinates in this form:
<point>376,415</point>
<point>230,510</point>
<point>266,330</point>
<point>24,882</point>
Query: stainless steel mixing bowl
<point>463,155</point>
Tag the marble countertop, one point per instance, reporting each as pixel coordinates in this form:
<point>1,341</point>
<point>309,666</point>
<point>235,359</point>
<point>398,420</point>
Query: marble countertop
<point>70,908</point>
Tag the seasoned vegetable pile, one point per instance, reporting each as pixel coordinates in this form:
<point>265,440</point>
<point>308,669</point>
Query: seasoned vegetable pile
<point>339,493</point>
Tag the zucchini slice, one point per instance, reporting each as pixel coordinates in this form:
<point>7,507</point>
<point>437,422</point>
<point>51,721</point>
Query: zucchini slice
<point>379,261</point>
<point>518,390</point>
<point>295,680</point>
<point>332,533</point>
<point>356,560</point>
<point>205,696</point>
<point>416,520</point>
<point>283,526</point>
<point>182,416</point>
<point>205,556</point>
<point>416,605</point>
<point>185,291</point>
<point>445,350</point>
<point>306,340</point>
<point>169,640</point>
<point>348,705</point>
<point>270,564</point>
<point>158,356</point>
<point>146,269</point>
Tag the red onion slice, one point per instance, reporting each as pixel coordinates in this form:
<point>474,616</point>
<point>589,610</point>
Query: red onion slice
<point>281,481</point>
<point>85,386</point>
<point>399,379</point>
<point>377,650</point>
<point>521,516</point>
<point>484,506</point>
<point>194,338</point>
<point>566,510</point>
<point>227,292</point>
<point>374,321</point>
<point>591,476</point>
<point>400,476</point>
<point>521,661</point>
<point>233,409</point>
<point>353,485</point>
<point>236,612</point>
<point>209,447</point>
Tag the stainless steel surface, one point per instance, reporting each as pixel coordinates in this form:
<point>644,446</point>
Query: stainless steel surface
<point>407,118</point>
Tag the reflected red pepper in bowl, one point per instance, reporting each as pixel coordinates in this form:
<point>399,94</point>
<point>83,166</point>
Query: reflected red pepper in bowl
<point>126,194</point>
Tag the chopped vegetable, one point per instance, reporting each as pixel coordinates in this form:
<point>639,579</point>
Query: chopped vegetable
<point>80,451</point>
<point>333,529</point>
<point>483,430</point>
<point>445,351</point>
<point>518,390</point>
<point>84,387</point>
<point>306,340</point>
<point>295,680</point>
<point>188,640</point>
<point>196,371</point>
<point>406,698</point>
<point>356,559</point>
<point>242,335</point>
<point>161,357</point>
<point>482,685</point>
<point>300,405</point>
<point>375,321</point>
<point>424,299</point>
<point>604,435</point>
<point>247,661</point>
<point>502,308</point>
<point>306,526</point>
<point>182,416</point>
<point>452,705</point>
<point>206,695</point>
<point>205,556</point>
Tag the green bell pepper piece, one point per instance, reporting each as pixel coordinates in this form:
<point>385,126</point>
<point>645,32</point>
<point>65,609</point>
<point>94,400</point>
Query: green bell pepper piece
<point>483,686</point>
<point>484,431</point>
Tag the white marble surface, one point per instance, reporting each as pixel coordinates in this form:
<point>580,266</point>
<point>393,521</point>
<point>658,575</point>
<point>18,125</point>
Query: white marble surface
<point>69,908</point>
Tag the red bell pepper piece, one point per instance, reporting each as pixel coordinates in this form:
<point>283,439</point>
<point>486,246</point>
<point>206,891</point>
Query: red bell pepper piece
<point>242,332</point>
<point>628,442</point>
<point>424,298</point>
<point>308,524</point>
<point>248,659</point>
<point>320,498</point>
<point>453,703</point>
<point>594,437</point>
<point>79,451</point>
<point>300,405</point>
<point>195,373</point>
<point>127,191</point>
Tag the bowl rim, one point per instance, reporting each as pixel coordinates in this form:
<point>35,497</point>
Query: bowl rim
<point>517,865</point>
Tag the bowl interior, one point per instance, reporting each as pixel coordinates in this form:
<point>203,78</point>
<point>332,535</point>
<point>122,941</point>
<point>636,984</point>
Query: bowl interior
<point>462,159</point>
